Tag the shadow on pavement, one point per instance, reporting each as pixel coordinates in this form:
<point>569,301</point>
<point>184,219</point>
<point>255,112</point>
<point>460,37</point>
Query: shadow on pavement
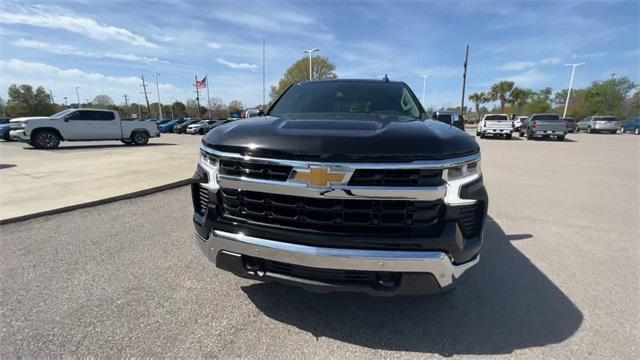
<point>103,146</point>
<point>507,304</point>
<point>7,166</point>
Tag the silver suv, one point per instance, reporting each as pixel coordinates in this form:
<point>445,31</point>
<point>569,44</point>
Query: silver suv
<point>596,123</point>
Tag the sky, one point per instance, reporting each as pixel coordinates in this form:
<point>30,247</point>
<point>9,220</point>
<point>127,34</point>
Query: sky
<point>105,46</point>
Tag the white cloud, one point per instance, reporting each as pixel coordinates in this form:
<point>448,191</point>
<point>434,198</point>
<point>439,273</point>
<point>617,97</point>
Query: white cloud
<point>517,65</point>
<point>589,55</point>
<point>529,78</point>
<point>234,65</point>
<point>214,45</point>
<point>62,81</point>
<point>284,22</point>
<point>551,61</point>
<point>53,17</point>
<point>70,50</point>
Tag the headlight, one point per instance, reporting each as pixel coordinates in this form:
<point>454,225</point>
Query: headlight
<point>468,170</point>
<point>208,160</point>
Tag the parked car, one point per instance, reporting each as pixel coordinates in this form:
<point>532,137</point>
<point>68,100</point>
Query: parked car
<point>571,124</point>
<point>449,117</point>
<point>81,125</point>
<point>221,122</point>
<point>201,127</point>
<point>168,126</point>
<point>181,128</point>
<point>632,126</point>
<point>593,124</point>
<point>5,127</point>
<point>517,122</point>
<point>495,125</point>
<point>347,192</point>
<point>544,126</point>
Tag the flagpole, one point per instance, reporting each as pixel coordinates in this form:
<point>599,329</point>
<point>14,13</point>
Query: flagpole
<point>197,98</point>
<point>208,97</point>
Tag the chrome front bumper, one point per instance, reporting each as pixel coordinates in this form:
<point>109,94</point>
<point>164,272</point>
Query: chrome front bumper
<point>19,135</point>
<point>434,262</point>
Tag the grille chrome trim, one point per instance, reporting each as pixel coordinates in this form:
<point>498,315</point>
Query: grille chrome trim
<point>334,191</point>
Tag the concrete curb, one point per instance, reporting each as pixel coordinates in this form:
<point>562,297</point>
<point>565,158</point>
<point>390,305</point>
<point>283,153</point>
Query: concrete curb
<point>98,202</point>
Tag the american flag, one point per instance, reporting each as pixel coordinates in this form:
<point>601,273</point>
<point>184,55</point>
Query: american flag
<point>201,84</point>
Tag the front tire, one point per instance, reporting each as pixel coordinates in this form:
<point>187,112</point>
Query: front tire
<point>45,139</point>
<point>560,138</point>
<point>139,138</point>
<point>589,131</point>
<point>637,132</point>
<point>529,136</point>
<point>508,136</point>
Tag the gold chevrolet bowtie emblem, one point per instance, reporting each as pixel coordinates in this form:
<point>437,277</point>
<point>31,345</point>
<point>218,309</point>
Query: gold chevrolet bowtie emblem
<point>318,176</point>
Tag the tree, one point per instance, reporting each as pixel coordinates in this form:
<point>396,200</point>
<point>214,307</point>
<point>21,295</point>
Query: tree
<point>192,108</point>
<point>478,99</point>
<point>102,101</point>
<point>322,68</point>
<point>502,92</point>
<point>218,108</point>
<point>560,98</point>
<point>179,110</point>
<point>235,106</point>
<point>519,98</point>
<point>540,102</point>
<point>608,97</point>
<point>23,101</point>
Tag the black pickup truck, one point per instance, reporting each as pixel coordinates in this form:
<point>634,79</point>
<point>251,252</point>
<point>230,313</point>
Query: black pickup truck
<point>343,185</point>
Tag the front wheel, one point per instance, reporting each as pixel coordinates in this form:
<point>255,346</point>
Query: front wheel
<point>529,136</point>
<point>560,138</point>
<point>139,138</point>
<point>508,136</point>
<point>637,132</point>
<point>589,131</point>
<point>201,131</point>
<point>46,139</point>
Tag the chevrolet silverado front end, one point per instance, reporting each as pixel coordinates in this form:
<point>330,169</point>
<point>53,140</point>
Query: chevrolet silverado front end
<point>342,186</point>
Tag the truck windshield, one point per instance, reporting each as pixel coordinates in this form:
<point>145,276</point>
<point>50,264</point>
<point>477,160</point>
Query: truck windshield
<point>549,117</point>
<point>340,97</point>
<point>62,113</point>
<point>496,117</point>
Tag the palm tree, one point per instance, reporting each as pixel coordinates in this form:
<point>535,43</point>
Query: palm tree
<point>519,97</point>
<point>502,92</point>
<point>477,99</point>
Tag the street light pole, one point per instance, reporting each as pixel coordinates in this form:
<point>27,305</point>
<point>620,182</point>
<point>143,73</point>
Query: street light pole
<point>310,51</point>
<point>158,90</point>
<point>172,109</point>
<point>78,96</point>
<point>573,71</point>
<point>424,87</point>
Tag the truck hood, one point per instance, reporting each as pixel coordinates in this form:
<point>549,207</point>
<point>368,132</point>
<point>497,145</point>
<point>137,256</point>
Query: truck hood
<point>23,119</point>
<point>353,137</point>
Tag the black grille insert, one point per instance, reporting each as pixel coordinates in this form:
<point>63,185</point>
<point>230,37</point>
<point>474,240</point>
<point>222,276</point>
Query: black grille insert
<point>255,170</point>
<point>470,219</point>
<point>336,215</point>
<point>397,177</point>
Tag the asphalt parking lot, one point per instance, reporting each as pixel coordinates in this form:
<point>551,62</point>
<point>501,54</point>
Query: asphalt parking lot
<point>36,181</point>
<point>558,277</point>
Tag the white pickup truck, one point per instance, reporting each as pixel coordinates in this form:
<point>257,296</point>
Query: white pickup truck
<point>81,125</point>
<point>495,125</point>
